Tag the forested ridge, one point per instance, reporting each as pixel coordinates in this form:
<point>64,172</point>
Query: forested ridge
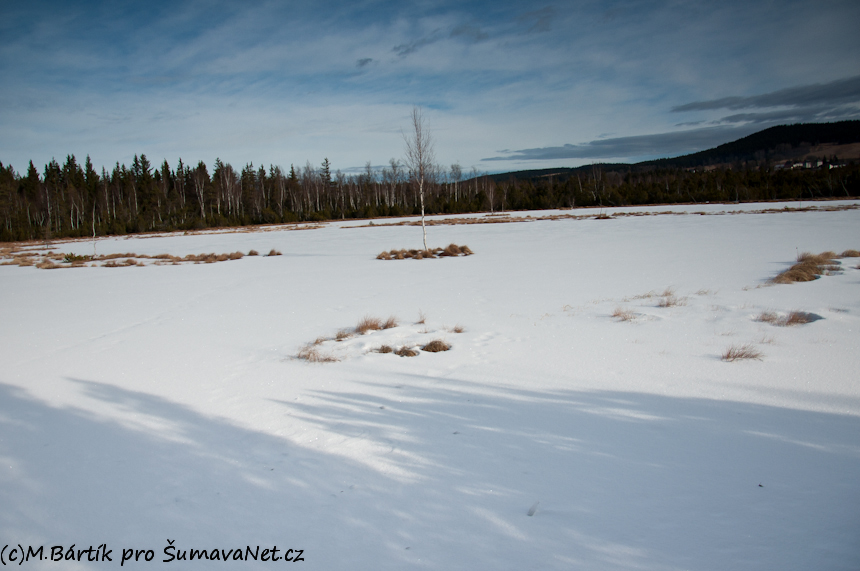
<point>72,199</point>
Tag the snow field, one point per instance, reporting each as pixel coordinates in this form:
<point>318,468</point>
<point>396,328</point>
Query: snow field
<point>146,403</point>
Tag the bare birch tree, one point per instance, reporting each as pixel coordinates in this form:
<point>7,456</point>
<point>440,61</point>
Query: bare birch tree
<point>419,158</point>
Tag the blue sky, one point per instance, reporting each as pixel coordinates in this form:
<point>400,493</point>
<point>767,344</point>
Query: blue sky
<point>503,85</point>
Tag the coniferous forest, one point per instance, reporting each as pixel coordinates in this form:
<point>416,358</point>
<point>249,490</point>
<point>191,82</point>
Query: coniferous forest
<point>74,200</point>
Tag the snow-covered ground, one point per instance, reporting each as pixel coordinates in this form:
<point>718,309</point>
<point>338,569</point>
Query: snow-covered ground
<point>142,404</point>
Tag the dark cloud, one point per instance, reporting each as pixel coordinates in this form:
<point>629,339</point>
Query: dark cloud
<point>816,114</point>
<point>836,92</point>
<point>469,32</point>
<point>466,32</point>
<point>658,145</point>
<point>364,62</point>
<point>404,50</point>
<point>538,20</point>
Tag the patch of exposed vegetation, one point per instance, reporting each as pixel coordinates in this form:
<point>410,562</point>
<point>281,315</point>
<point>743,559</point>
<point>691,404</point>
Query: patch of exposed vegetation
<point>788,320</point>
<point>451,251</point>
<point>809,267</point>
<point>741,352</point>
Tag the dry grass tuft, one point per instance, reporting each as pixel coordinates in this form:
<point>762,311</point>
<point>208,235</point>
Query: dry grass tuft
<point>47,264</point>
<point>343,334</point>
<point>850,254</point>
<point>74,258</point>
<point>384,349</point>
<point>648,295</point>
<point>793,318</point>
<point>623,314</point>
<point>809,267</point>
<point>312,354</point>
<point>421,318</point>
<point>368,323</point>
<point>406,352</point>
<point>798,318</point>
<point>452,250</point>
<point>457,329</point>
<point>768,317</point>
<point>669,299</point>
<point>390,323</point>
<point>253,253</point>
<point>274,252</point>
<point>822,258</point>
<point>117,256</point>
<point>436,346</point>
<point>739,352</point>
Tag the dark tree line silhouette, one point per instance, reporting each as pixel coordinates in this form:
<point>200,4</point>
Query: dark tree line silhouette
<point>73,200</point>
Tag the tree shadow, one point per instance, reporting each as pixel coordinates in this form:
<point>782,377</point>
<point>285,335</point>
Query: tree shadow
<point>442,473</point>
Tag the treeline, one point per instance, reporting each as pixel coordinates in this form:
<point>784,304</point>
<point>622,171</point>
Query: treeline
<point>73,200</point>
<point>599,186</point>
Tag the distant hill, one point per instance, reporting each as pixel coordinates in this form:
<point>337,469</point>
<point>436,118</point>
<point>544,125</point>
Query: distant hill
<point>774,145</point>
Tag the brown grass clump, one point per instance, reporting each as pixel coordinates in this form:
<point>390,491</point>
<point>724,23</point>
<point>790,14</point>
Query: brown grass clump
<point>406,352</point>
<point>253,253</point>
<point>390,323</point>
<point>343,334</point>
<point>47,264</point>
<point>457,329</point>
<point>623,314</point>
<point>768,317</point>
<point>793,318</point>
<point>274,252</point>
<point>368,323</point>
<point>311,354</point>
<point>436,346</point>
<point>384,349</point>
<point>452,250</point>
<point>117,256</point>
<point>850,254</point>
<point>669,299</point>
<point>808,267</point>
<point>798,318</point>
<point>822,258</point>
<point>421,318</point>
<point>739,352</point>
<point>75,259</point>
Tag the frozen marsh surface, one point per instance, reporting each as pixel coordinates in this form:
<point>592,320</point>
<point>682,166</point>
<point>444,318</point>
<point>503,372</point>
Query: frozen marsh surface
<point>141,404</point>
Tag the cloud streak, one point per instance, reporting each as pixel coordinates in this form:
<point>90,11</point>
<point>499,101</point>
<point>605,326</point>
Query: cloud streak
<point>656,145</point>
<point>837,92</point>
